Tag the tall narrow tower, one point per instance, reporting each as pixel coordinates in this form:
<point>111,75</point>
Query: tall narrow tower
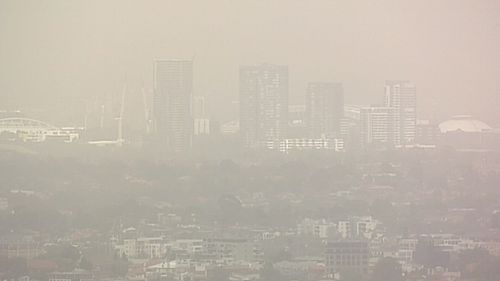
<point>173,86</point>
<point>402,96</point>
<point>263,103</point>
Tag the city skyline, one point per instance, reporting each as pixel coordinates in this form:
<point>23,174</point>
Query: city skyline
<point>361,45</point>
<point>176,117</point>
<point>249,140</point>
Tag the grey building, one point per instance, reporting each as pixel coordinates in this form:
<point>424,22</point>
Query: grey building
<point>347,257</point>
<point>173,85</point>
<point>263,103</point>
<point>324,109</point>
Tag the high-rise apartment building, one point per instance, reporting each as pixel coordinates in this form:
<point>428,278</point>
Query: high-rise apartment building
<point>402,96</point>
<point>325,109</point>
<point>173,85</point>
<point>263,103</point>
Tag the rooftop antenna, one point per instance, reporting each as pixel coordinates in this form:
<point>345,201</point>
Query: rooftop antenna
<point>120,139</point>
<point>146,109</point>
<point>101,122</point>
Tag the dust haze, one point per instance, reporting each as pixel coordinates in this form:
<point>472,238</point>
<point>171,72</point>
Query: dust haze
<point>239,140</point>
<point>58,53</point>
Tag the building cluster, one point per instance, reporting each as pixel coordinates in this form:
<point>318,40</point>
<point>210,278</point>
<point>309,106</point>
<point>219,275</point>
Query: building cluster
<point>352,228</point>
<point>267,120</point>
<point>177,117</point>
<point>353,246</point>
<point>207,250</point>
<point>164,241</point>
<point>198,258</point>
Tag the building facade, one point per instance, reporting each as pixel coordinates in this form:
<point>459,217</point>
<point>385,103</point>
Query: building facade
<point>325,109</point>
<point>347,256</point>
<point>379,126</point>
<point>402,96</point>
<point>263,103</point>
<point>173,85</point>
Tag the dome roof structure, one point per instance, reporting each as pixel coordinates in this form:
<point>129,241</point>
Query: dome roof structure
<point>463,123</point>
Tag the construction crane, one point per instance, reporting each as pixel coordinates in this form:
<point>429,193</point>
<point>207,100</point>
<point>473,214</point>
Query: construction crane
<point>119,140</point>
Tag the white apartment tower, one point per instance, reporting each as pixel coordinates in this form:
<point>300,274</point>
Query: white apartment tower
<point>263,103</point>
<point>402,96</point>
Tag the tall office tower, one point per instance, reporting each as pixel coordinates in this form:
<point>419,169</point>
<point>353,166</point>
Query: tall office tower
<point>325,109</point>
<point>402,96</point>
<point>263,103</point>
<point>379,126</point>
<point>173,82</point>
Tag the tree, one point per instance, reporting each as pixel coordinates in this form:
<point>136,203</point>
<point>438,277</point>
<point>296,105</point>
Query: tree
<point>218,274</point>
<point>489,269</point>
<point>387,269</point>
<point>479,264</point>
<point>467,258</point>
<point>430,256</point>
<point>86,264</point>
<point>13,268</point>
<point>269,273</point>
<point>350,275</point>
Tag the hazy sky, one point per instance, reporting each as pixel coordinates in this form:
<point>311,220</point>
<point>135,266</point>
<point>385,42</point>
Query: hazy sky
<point>55,53</point>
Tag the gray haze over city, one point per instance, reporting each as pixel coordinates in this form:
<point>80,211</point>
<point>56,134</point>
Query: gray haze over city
<point>57,54</point>
<point>278,140</point>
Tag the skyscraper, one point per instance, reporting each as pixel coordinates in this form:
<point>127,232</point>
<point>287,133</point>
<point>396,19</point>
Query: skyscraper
<point>325,109</point>
<point>263,103</point>
<point>173,82</point>
<point>402,96</point>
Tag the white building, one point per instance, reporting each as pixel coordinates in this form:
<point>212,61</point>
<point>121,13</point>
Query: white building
<point>316,228</point>
<point>402,96</point>
<point>143,247</point>
<point>201,126</point>
<point>263,103</point>
<point>357,227</point>
<point>191,246</point>
<point>287,145</point>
